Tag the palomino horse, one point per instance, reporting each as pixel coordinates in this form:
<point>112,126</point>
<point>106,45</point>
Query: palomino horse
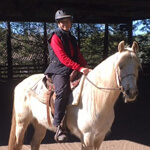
<point>92,117</point>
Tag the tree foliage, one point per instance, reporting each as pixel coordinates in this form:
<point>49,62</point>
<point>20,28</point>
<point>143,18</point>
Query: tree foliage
<point>143,39</point>
<point>3,46</point>
<point>27,39</point>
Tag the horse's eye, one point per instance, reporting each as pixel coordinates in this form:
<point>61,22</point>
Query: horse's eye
<point>120,67</point>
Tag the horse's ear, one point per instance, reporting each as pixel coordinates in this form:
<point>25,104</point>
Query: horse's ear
<point>135,47</point>
<point>121,46</point>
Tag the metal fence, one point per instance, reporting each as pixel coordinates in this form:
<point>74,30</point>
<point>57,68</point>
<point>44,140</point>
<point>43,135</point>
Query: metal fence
<point>20,71</point>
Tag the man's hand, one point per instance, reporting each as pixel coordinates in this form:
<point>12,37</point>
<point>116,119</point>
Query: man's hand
<point>85,71</point>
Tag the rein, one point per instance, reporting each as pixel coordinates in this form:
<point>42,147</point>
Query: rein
<point>101,88</point>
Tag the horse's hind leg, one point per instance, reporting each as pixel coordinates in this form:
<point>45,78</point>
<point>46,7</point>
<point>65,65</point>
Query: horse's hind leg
<point>21,126</point>
<point>39,134</point>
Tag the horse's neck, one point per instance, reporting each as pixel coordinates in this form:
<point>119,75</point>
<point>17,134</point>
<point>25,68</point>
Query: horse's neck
<point>103,76</point>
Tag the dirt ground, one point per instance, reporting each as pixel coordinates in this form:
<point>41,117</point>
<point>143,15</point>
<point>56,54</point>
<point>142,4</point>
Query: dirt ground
<point>106,145</point>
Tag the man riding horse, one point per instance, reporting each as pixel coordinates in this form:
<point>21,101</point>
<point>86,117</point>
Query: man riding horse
<point>65,56</point>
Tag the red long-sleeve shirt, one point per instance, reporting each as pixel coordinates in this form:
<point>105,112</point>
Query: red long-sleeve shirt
<point>58,49</point>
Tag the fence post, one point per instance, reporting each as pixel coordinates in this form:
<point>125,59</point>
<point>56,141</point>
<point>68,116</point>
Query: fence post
<point>45,47</point>
<point>9,51</point>
<point>105,52</point>
<point>130,32</point>
<point>78,30</point>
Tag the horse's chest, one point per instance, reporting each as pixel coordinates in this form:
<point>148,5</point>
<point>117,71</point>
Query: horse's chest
<point>104,121</point>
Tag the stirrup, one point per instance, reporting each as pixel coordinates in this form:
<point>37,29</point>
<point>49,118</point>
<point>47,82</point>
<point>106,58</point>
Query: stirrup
<point>61,135</point>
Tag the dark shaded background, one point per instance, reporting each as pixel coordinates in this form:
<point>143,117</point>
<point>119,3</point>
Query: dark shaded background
<point>132,121</point>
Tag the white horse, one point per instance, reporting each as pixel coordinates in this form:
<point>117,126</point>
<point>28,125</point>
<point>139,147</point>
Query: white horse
<point>92,117</point>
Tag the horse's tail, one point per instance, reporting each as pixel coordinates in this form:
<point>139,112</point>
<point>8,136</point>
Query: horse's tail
<point>12,137</point>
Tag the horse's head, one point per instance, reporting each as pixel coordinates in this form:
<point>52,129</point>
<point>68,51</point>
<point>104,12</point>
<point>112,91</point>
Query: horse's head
<point>127,70</point>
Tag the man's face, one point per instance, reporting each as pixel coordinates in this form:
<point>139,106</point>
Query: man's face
<point>65,24</point>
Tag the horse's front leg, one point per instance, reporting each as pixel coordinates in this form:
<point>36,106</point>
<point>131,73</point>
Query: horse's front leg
<point>87,141</point>
<point>85,148</point>
<point>98,142</point>
<point>91,142</point>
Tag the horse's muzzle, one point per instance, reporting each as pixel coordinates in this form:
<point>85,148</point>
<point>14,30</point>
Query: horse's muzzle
<point>130,95</point>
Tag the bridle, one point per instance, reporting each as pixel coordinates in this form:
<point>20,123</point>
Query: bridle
<point>130,74</point>
<point>120,79</point>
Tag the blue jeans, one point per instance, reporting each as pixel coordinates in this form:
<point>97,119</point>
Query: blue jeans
<point>62,89</point>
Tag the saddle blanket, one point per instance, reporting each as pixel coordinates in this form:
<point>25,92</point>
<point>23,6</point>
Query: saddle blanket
<point>40,91</point>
